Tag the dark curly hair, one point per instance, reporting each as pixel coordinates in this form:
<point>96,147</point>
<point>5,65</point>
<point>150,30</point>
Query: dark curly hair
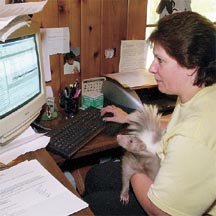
<point>190,39</point>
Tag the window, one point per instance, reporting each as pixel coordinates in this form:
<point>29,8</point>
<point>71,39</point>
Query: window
<point>206,8</point>
<point>152,16</point>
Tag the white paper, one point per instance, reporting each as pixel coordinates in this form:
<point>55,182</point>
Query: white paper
<point>135,79</point>
<point>26,142</point>
<point>58,40</point>
<point>29,189</point>
<point>46,59</point>
<point>133,72</point>
<point>54,41</point>
<point>133,56</point>
<point>9,11</point>
<point>15,24</point>
<point>49,91</point>
<point>2,2</point>
<point>18,9</point>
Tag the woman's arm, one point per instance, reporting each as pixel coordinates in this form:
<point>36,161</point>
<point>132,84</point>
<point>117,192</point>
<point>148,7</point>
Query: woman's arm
<point>141,184</point>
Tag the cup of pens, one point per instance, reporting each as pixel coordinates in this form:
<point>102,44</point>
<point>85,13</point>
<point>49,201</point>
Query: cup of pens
<point>71,105</point>
<point>71,95</point>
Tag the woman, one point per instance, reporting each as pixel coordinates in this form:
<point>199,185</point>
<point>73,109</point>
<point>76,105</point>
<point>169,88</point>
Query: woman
<point>184,65</point>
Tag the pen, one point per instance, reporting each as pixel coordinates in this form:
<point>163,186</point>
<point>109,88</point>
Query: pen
<point>76,95</point>
<point>72,92</point>
<point>76,84</point>
<point>66,92</point>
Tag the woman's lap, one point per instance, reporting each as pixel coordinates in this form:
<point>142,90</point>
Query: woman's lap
<point>108,203</point>
<point>103,187</point>
<point>103,177</point>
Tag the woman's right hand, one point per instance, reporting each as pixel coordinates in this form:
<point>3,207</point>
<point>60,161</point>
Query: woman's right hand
<point>119,115</point>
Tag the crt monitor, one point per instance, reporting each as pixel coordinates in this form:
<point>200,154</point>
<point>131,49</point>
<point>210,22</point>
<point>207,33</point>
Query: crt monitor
<point>125,98</point>
<point>22,86</point>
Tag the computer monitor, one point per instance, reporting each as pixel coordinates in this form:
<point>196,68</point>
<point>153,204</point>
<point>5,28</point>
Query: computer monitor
<point>22,86</point>
<point>130,100</point>
<point>125,98</point>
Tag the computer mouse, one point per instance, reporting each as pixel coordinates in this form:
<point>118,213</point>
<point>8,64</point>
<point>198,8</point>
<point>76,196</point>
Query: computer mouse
<point>107,114</point>
<point>111,128</point>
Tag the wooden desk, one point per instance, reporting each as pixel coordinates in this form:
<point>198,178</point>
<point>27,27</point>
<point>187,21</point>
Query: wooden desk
<point>100,143</point>
<point>47,161</point>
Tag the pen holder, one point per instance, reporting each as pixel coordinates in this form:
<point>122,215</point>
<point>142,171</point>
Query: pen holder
<point>71,105</point>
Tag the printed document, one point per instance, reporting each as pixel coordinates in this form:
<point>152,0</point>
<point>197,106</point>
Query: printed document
<point>133,72</point>
<point>25,142</point>
<point>134,80</point>
<point>54,40</point>
<point>10,11</point>
<point>29,189</point>
<point>133,55</point>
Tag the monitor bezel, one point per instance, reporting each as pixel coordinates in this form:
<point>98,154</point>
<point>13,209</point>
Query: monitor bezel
<point>20,119</point>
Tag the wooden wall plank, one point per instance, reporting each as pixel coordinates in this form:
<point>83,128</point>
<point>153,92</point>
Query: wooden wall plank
<point>95,25</point>
<point>136,19</point>
<point>90,38</point>
<point>69,16</point>
<point>113,30</point>
<point>48,18</point>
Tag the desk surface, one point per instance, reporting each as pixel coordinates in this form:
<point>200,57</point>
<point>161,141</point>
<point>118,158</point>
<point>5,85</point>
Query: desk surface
<point>100,143</point>
<point>47,161</point>
<point>134,80</point>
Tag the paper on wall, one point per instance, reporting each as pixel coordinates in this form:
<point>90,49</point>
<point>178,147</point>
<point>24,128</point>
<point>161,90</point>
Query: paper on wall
<point>133,55</point>
<point>133,72</point>
<point>54,41</point>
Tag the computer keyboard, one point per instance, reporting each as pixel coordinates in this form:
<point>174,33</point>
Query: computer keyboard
<point>76,132</point>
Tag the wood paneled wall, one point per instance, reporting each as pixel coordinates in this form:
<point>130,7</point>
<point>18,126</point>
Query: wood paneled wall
<point>95,25</point>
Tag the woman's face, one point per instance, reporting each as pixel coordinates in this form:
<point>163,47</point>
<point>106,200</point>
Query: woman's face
<point>170,76</point>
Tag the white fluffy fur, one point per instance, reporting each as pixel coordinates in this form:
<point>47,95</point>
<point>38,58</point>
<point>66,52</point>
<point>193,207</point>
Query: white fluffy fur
<point>141,144</point>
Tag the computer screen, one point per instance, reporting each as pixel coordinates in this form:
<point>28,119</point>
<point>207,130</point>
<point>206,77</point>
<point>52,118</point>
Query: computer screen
<point>22,88</point>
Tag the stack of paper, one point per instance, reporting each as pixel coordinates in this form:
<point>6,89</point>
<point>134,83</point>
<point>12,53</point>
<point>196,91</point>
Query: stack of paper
<point>29,189</point>
<point>14,16</point>
<point>15,24</point>
<point>134,80</point>
<point>25,142</point>
<point>133,72</point>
